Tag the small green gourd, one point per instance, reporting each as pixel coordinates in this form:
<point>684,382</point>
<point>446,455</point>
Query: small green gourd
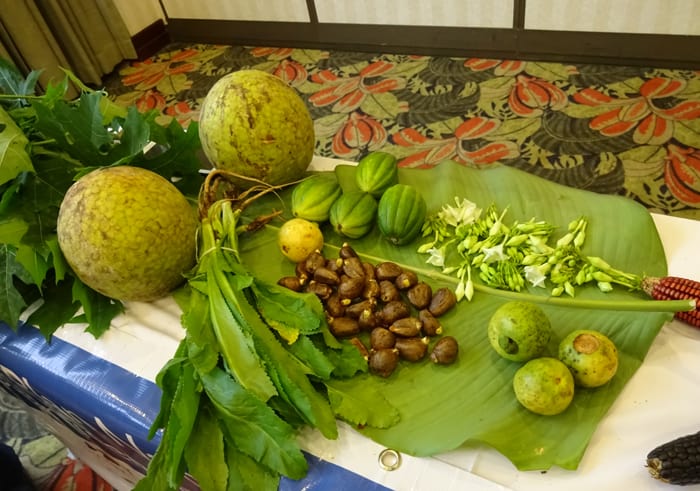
<point>353,214</point>
<point>376,172</point>
<point>313,197</point>
<point>401,213</point>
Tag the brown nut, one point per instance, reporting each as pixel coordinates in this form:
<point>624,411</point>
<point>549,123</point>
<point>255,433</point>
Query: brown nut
<point>334,264</point>
<point>301,272</point>
<point>407,327</point>
<point>357,343</point>
<point>406,280</point>
<point>388,291</point>
<point>346,251</point>
<point>369,271</point>
<point>412,349</point>
<point>334,306</point>
<point>325,275</point>
<point>420,295</point>
<point>352,267</point>
<point>387,271</point>
<point>443,300</point>
<point>367,320</point>
<point>371,289</point>
<point>393,311</point>
<point>315,260</point>
<point>291,282</point>
<point>383,362</point>
<point>321,290</point>
<point>355,309</point>
<point>381,338</point>
<point>431,326</point>
<point>445,351</point>
<point>351,287</point>
<point>344,327</point>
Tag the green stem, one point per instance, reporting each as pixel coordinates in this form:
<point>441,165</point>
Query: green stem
<point>61,155</point>
<point>579,303</point>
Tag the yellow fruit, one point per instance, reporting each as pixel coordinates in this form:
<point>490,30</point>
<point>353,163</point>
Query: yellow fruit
<point>127,233</point>
<point>544,386</point>
<point>297,238</point>
<point>590,355</point>
<point>254,124</point>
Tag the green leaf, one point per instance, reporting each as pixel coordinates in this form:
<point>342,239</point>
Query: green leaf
<point>361,408</point>
<point>289,375</point>
<point>253,427</point>
<point>14,158</point>
<point>12,82</point>
<point>282,306</point>
<point>310,355</point>
<point>202,347</point>
<point>245,474</point>
<point>167,467</point>
<point>176,156</point>
<point>235,339</point>
<point>56,308</point>
<point>445,407</point>
<point>59,263</point>
<point>11,302</point>
<point>77,128</point>
<point>99,310</point>
<point>204,454</point>
<point>12,229</point>
<point>34,261</point>
<point>168,379</point>
<point>347,360</point>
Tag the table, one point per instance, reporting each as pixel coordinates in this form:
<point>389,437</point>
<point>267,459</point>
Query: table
<point>99,397</point>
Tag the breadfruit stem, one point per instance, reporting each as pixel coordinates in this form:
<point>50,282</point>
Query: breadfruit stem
<point>221,184</point>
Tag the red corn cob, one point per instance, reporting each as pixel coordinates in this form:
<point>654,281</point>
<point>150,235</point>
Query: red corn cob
<point>675,288</point>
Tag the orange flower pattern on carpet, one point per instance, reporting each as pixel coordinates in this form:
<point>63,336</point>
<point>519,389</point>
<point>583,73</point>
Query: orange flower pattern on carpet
<point>631,131</point>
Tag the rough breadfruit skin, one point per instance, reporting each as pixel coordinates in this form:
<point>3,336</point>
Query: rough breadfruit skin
<point>254,124</point>
<point>127,233</point>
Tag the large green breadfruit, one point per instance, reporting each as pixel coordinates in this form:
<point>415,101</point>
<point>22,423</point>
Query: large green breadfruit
<point>254,124</point>
<point>127,233</point>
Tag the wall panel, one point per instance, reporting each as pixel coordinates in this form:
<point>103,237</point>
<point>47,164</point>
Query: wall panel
<point>463,13</point>
<point>267,10</point>
<point>621,16</point>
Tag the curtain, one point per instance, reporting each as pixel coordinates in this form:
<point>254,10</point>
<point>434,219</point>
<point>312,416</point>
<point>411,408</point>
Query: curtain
<point>88,37</point>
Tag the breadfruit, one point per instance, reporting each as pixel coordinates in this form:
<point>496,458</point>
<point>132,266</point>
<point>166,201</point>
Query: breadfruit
<point>127,233</point>
<point>254,124</point>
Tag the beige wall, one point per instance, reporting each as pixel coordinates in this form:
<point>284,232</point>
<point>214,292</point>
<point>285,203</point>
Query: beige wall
<point>462,13</point>
<point>627,16</point>
<point>262,10</point>
<point>139,14</point>
<point>631,16</point>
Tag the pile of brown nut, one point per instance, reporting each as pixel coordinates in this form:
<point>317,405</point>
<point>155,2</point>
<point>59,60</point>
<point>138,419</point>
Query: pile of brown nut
<point>398,310</point>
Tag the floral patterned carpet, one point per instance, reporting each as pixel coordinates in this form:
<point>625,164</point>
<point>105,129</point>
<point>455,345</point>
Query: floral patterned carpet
<point>630,131</point>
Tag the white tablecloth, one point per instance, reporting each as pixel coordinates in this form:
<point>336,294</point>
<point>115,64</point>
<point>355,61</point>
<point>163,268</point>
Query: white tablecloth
<point>659,403</point>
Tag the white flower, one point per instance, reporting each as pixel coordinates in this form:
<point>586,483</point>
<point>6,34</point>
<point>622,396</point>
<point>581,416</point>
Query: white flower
<point>494,254</point>
<point>465,212</point>
<point>437,257</point>
<point>536,275</point>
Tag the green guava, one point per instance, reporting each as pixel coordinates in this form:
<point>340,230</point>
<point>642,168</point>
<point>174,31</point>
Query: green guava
<point>590,355</point>
<point>519,331</point>
<point>544,386</point>
<point>127,233</point>
<point>254,124</point>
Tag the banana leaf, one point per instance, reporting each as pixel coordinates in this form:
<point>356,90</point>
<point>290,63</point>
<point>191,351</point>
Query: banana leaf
<point>472,401</point>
